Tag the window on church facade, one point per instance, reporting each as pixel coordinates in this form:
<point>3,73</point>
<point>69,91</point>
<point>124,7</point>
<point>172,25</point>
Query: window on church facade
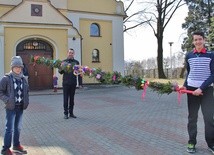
<point>95,30</point>
<point>34,45</point>
<point>95,55</point>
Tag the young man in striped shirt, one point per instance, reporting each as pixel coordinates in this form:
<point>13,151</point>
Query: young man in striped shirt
<point>200,78</point>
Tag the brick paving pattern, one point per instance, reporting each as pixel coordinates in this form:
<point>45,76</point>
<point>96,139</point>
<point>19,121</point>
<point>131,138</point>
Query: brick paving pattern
<point>110,121</point>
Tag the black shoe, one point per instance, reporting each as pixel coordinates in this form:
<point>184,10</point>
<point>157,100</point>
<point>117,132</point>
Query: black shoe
<point>191,148</point>
<point>211,149</point>
<point>65,116</point>
<point>73,116</point>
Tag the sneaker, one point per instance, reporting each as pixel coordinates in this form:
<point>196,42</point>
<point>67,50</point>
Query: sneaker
<point>73,116</point>
<point>19,149</point>
<point>6,152</point>
<point>65,116</point>
<point>211,149</point>
<point>191,148</point>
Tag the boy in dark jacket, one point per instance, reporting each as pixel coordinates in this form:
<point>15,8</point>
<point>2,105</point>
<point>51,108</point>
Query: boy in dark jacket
<point>200,77</point>
<point>14,93</point>
<point>69,85</point>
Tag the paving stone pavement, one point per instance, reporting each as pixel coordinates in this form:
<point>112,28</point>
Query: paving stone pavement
<point>110,121</point>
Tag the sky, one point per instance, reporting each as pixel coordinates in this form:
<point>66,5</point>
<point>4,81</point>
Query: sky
<point>141,43</point>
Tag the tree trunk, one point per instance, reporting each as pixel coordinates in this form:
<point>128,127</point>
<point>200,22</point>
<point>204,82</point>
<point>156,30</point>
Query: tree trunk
<point>161,73</point>
<point>183,71</point>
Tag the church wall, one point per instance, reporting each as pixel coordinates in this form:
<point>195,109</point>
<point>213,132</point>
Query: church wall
<point>117,35</point>
<point>100,6</point>
<point>82,14</point>
<point>14,35</point>
<point>4,9</point>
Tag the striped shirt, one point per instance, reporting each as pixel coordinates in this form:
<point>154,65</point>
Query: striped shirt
<point>200,69</point>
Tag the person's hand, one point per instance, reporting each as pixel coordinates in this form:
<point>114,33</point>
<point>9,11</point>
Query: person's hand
<point>197,92</point>
<point>182,88</point>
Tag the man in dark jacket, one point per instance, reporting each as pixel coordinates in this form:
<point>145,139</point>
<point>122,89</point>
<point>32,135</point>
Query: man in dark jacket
<point>69,85</point>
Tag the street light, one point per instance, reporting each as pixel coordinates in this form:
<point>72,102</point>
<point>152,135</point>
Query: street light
<point>170,44</point>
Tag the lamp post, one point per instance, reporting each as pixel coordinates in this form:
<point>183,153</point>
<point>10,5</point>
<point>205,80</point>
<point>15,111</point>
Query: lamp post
<point>170,44</point>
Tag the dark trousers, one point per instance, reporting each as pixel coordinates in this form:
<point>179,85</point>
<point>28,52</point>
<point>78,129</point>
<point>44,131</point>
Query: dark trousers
<point>80,80</point>
<point>206,102</point>
<point>68,98</point>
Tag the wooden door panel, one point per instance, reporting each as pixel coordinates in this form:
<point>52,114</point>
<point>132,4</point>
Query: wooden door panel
<point>40,76</point>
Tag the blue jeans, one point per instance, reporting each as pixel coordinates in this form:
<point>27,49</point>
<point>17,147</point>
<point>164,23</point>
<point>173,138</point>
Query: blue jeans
<point>13,126</point>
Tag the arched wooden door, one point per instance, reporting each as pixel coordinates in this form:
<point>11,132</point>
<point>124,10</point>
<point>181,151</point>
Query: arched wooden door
<point>40,76</point>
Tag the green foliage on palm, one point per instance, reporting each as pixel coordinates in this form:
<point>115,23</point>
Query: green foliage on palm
<point>106,77</point>
<point>116,78</point>
<point>127,80</point>
<point>131,81</point>
<point>138,83</point>
<point>161,88</point>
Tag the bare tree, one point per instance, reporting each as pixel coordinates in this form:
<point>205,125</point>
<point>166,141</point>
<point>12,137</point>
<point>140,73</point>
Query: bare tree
<point>151,63</point>
<point>137,68</point>
<point>134,68</point>
<point>144,64</point>
<point>166,63</point>
<point>132,20</point>
<point>157,14</point>
<point>163,13</point>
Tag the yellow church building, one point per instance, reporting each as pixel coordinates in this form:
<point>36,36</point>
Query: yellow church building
<point>93,28</point>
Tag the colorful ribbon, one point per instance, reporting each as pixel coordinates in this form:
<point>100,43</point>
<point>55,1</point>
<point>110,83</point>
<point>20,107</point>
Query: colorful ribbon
<point>182,91</point>
<point>176,88</point>
<point>144,84</point>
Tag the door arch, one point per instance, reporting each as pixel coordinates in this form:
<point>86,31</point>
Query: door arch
<point>40,76</point>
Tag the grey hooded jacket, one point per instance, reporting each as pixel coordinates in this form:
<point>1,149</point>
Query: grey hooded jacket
<point>7,92</point>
